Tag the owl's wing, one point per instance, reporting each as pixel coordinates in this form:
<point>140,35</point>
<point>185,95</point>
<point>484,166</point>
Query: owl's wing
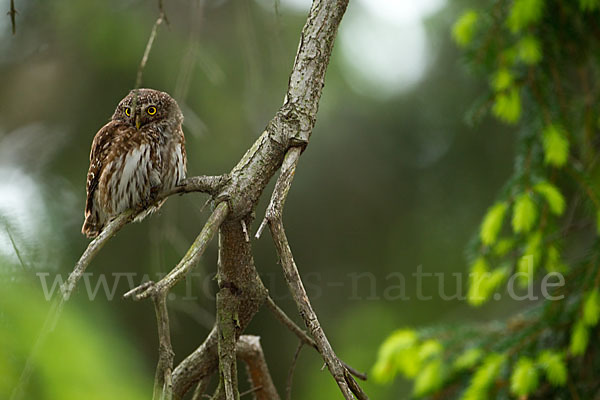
<point>100,149</point>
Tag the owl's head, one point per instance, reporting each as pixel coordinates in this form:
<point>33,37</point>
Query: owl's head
<point>147,106</point>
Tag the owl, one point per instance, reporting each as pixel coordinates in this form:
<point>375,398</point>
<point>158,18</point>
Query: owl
<point>138,154</point>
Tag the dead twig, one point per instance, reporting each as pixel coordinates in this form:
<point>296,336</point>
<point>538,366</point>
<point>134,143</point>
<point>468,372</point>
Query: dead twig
<point>303,336</point>
<point>13,14</point>
<point>290,377</point>
<point>189,261</point>
<point>343,378</point>
<point>163,383</point>
<point>250,351</point>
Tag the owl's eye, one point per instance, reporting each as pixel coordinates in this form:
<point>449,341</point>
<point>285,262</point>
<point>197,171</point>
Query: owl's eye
<point>127,111</point>
<point>151,110</point>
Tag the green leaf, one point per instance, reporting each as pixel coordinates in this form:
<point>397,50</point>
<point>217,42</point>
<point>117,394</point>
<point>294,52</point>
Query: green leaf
<point>492,223</point>
<point>529,50</point>
<point>579,338</point>
<point>524,379</point>
<point>530,259</point>
<point>589,5</point>
<point>464,28</point>
<point>524,213</point>
<point>556,145</point>
<point>502,79</point>
<point>467,359</point>
<point>429,349</point>
<point>507,106</point>
<point>398,348</point>
<point>479,273</point>
<point>523,13</point>
<point>484,377</point>
<point>591,308</point>
<point>553,260</point>
<point>553,364</point>
<point>598,222</point>
<point>552,195</point>
<point>430,378</point>
<point>482,282</point>
<point>503,246</point>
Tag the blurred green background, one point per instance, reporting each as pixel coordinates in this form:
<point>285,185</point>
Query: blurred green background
<point>393,179</point>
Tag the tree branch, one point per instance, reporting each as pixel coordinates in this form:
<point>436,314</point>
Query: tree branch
<point>250,351</point>
<point>163,385</point>
<point>188,262</point>
<point>303,336</point>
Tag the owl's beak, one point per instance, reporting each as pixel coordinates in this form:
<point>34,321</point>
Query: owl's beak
<point>137,122</point>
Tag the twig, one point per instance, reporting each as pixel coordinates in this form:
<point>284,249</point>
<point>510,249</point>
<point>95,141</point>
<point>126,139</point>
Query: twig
<point>245,229</point>
<point>140,72</point>
<point>346,383</point>
<point>163,384</point>
<point>25,267</point>
<point>250,351</point>
<point>12,13</point>
<point>290,377</point>
<point>201,387</point>
<point>303,336</point>
<point>250,391</point>
<point>190,259</point>
<point>282,187</point>
<point>210,184</point>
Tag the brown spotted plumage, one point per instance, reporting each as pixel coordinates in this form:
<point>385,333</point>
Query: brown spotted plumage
<point>135,156</point>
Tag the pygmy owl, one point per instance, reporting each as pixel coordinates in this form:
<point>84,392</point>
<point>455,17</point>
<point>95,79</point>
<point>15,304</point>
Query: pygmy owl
<point>138,154</point>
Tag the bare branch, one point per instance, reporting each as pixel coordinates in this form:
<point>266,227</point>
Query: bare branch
<point>13,13</point>
<point>303,336</point>
<point>159,20</point>
<point>341,375</point>
<point>163,384</point>
<point>190,259</point>
<point>250,351</point>
<point>282,187</point>
<point>201,387</point>
<point>200,365</point>
<point>288,388</point>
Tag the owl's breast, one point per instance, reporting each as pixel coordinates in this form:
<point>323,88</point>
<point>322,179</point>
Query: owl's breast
<point>129,177</point>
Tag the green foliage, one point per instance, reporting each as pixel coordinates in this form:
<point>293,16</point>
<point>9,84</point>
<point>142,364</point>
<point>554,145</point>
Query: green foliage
<point>484,377</point>
<point>483,281</point>
<point>553,260</point>
<point>591,308</point>
<point>524,378</point>
<point>553,364</point>
<point>529,50</point>
<point>465,27</point>
<point>507,105</point>
<point>523,13</point>
<point>503,79</point>
<point>541,61</point>
<point>83,357</point>
<point>579,338</point>
<point>403,353</point>
<point>396,354</point>
<point>468,359</point>
<point>524,213</point>
<point>503,246</point>
<point>552,195</point>
<point>492,223</point>
<point>430,378</point>
<point>556,145</point>
<point>589,5</point>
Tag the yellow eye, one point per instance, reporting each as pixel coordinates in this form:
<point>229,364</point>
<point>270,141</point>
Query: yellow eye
<point>127,111</point>
<point>151,110</point>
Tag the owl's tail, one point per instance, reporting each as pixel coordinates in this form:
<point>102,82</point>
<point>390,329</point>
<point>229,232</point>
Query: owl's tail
<point>91,228</point>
